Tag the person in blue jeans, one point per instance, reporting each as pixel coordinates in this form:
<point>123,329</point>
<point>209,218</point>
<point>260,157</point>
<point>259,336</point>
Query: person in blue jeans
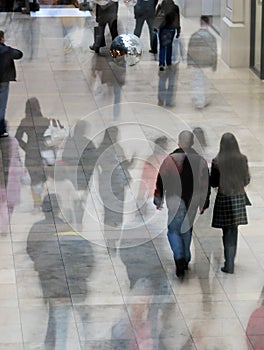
<point>167,30</point>
<point>7,74</point>
<point>183,180</point>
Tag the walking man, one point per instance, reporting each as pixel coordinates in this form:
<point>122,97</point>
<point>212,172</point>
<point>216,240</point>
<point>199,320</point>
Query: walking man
<point>7,74</point>
<point>183,180</point>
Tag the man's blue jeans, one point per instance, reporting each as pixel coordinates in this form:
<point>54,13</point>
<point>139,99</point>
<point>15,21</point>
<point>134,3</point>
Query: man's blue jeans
<point>4,90</point>
<point>179,241</point>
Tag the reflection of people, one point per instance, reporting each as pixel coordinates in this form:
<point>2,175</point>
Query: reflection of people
<point>144,10</point>
<point>105,14</point>
<point>10,185</point>
<point>168,78</point>
<point>149,173</point>
<point>113,177</point>
<point>201,56</point>
<point>168,28</point>
<point>63,260</point>
<point>183,179</point>
<point>7,74</point>
<point>230,175</point>
<point>78,161</point>
<point>112,74</point>
<point>30,136</point>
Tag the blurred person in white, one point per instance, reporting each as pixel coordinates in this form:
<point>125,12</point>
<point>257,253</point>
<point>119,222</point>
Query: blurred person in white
<point>202,57</point>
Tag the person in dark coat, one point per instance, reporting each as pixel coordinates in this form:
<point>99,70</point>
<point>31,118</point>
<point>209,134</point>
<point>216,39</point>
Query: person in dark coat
<point>184,179</point>
<point>230,174</point>
<point>105,14</point>
<point>7,74</point>
<point>167,30</point>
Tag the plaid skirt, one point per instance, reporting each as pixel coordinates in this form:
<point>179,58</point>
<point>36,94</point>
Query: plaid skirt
<point>229,211</point>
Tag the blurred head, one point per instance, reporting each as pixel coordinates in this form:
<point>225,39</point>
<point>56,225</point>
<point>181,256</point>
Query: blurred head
<point>33,108</point>
<point>200,136</point>
<point>81,128</point>
<point>162,142</point>
<point>185,139</point>
<point>50,204</point>
<point>205,20</point>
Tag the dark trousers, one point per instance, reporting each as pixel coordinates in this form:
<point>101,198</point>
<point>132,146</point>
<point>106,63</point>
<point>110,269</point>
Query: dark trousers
<point>166,36</point>
<point>230,246</point>
<point>99,37</point>
<point>4,91</point>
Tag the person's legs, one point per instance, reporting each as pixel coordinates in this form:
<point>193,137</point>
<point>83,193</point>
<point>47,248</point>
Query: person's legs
<point>170,36</point>
<point>113,28</point>
<point>4,90</point>
<point>179,242</point>
<point>150,22</point>
<point>139,25</point>
<point>230,246</point>
<point>162,49</point>
<point>173,73</point>
<point>162,90</point>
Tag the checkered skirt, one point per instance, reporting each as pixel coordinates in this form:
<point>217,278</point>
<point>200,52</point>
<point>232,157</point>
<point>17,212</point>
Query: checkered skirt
<point>229,211</point>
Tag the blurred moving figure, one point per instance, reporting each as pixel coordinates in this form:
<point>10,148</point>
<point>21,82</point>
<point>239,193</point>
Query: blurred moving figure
<point>149,174</point>
<point>114,177</point>
<point>201,56</point>
<point>30,136</point>
<point>64,261</point>
<point>105,71</point>
<point>10,184</point>
<point>144,10</point>
<point>184,180</point>
<point>168,78</point>
<point>105,14</point>
<point>230,174</point>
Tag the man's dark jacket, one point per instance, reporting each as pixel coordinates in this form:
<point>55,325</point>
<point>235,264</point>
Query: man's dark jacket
<point>7,65</point>
<point>184,174</point>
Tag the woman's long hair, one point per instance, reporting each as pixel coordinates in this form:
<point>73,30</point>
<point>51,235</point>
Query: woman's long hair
<point>231,164</point>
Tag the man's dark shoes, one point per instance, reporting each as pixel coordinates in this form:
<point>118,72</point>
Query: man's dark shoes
<point>154,52</point>
<point>179,267</point>
<point>224,269</point>
<point>4,134</point>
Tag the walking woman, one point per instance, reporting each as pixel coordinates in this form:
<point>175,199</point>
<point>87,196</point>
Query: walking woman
<point>230,174</point>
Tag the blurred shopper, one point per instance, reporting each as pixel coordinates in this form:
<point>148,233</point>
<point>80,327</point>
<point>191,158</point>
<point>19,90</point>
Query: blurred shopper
<point>184,180</point>
<point>105,14</point>
<point>144,10</point>
<point>30,136</point>
<point>168,78</point>
<point>167,30</point>
<point>7,74</point>
<point>201,56</point>
<point>64,261</point>
<point>230,175</point>
<point>10,182</point>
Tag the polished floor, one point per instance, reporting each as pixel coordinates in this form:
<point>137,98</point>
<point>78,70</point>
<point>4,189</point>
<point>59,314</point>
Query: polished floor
<point>91,267</point>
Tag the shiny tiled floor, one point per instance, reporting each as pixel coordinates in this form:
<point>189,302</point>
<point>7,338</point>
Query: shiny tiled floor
<point>113,286</point>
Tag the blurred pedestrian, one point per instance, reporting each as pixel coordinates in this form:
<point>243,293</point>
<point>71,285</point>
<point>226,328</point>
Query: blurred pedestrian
<point>202,57</point>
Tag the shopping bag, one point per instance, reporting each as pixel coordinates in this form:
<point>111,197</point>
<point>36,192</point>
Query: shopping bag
<point>55,133</point>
